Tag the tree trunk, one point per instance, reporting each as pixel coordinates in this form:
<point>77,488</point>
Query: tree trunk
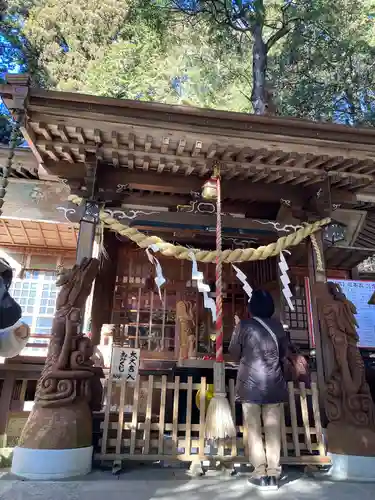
<point>258,96</point>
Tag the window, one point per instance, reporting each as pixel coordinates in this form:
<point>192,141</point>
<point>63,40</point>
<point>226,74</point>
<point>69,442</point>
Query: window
<point>36,294</point>
<point>44,325</point>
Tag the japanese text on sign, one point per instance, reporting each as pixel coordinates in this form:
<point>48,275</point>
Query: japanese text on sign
<point>125,363</point>
<point>359,292</point>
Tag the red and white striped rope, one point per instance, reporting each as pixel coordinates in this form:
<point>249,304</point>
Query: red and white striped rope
<point>219,265</point>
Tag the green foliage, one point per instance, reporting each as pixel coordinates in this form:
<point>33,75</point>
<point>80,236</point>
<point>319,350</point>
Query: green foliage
<point>6,125</point>
<point>129,49</point>
<point>319,53</point>
<point>325,68</point>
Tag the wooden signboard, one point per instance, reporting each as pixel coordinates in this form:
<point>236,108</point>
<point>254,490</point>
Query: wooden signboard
<point>125,363</point>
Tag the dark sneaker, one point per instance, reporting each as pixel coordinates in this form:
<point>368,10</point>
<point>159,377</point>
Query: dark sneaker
<point>273,483</point>
<point>259,482</point>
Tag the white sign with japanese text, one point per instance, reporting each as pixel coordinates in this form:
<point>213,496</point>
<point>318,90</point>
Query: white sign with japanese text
<point>125,363</point>
<point>359,292</point>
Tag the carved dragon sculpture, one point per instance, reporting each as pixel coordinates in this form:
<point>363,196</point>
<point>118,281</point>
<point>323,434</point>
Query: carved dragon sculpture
<point>70,383</point>
<point>348,402</point>
<point>69,368</point>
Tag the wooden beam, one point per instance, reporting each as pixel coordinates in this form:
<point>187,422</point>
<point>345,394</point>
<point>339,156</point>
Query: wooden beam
<point>40,250</point>
<point>50,150</point>
<point>184,219</point>
<point>5,401</point>
<point>115,141</point>
<point>181,147</point>
<point>43,127</point>
<point>80,135</point>
<point>5,226</point>
<point>109,178</point>
<point>63,132</point>
<point>164,145</point>
<point>30,138</point>
<point>148,143</point>
<point>131,142</point>
<point>197,149</point>
<point>67,153</point>
<point>211,151</point>
<point>102,301</point>
<point>98,137</point>
<point>25,232</point>
<point>254,167</point>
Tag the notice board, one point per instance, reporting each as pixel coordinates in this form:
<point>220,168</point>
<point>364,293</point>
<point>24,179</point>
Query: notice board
<point>359,292</point>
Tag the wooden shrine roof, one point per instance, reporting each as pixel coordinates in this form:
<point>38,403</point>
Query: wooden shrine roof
<point>63,128</point>
<point>24,233</point>
<point>157,155</point>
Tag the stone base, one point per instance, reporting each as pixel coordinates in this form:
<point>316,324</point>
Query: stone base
<point>345,439</point>
<point>352,468</point>
<point>51,464</point>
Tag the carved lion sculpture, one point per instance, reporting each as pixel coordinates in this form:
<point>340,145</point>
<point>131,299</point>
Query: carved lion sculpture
<point>348,403</point>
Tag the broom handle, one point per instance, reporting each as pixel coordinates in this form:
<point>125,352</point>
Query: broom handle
<point>219,265</point>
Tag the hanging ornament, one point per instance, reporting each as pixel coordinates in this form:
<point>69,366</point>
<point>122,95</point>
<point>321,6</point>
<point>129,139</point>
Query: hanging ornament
<point>209,188</point>
<point>197,276</point>
<point>159,278</point>
<point>245,285</point>
<point>284,278</point>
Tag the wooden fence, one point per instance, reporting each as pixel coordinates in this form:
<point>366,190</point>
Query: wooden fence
<point>16,397</point>
<point>157,419</point>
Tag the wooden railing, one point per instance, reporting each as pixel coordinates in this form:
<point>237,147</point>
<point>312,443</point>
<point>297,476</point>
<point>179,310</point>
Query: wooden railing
<point>157,419</point>
<point>38,349</point>
<point>16,400</point>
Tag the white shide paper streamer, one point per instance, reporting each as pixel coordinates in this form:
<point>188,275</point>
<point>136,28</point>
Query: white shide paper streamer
<point>245,285</point>
<point>159,278</point>
<point>197,276</point>
<point>284,278</point>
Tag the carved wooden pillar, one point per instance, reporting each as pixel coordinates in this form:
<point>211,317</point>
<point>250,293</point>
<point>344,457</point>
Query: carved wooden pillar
<point>102,302</point>
<point>67,392</point>
<point>322,346</point>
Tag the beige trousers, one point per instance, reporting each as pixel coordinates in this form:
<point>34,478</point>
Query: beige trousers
<point>264,458</point>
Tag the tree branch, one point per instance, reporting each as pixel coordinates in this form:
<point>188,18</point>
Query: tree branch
<point>281,32</point>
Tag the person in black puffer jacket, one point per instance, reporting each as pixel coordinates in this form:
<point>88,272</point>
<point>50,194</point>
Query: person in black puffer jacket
<point>260,345</point>
<point>10,311</point>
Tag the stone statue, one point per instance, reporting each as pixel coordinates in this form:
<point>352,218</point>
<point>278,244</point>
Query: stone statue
<point>69,387</point>
<point>348,403</point>
<point>185,317</point>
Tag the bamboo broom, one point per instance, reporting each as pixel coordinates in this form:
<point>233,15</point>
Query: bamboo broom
<point>219,419</point>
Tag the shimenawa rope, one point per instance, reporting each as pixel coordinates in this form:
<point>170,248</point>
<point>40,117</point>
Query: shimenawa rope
<point>318,254</point>
<point>228,256</point>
